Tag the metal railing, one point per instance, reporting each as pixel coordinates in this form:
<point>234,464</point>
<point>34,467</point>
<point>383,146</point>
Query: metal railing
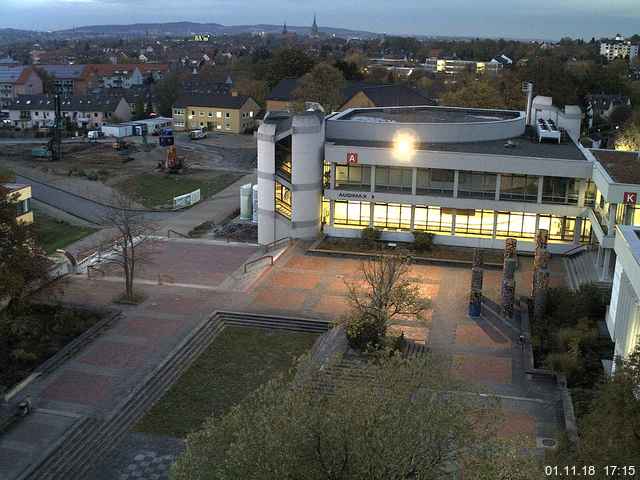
<point>273,245</point>
<point>270,257</point>
<point>170,231</point>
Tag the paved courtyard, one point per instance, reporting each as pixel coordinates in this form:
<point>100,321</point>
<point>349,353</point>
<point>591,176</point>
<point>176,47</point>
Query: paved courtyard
<point>206,277</point>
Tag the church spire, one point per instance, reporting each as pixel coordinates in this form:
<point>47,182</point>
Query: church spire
<point>314,27</point>
<point>284,28</point>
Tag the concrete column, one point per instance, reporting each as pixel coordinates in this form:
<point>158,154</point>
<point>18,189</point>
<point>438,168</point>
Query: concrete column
<point>599,256</point>
<point>332,208</point>
<point>611,221</point>
<point>413,217</point>
<point>371,208</point>
<point>373,179</point>
<point>606,266</point>
<point>582,192</point>
<point>578,230</point>
<point>414,182</point>
<point>540,188</point>
<point>497,198</point>
<point>266,184</point>
<point>456,181</point>
<point>332,180</point>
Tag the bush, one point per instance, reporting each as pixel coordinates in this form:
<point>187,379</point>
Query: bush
<point>363,332</point>
<point>423,241</point>
<point>369,237</point>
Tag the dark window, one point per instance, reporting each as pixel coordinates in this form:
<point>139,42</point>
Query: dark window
<point>435,181</point>
<point>560,190</point>
<point>353,177</point>
<point>521,188</point>
<point>393,179</point>
<point>477,185</point>
<point>283,158</point>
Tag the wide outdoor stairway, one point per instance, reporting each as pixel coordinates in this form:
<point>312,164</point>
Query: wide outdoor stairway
<point>581,270</point>
<point>93,437</point>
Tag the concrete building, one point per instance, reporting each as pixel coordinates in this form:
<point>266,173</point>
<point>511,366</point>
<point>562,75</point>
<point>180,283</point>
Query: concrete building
<point>623,314</point>
<point>18,80</point>
<point>21,196</point>
<point>455,66</point>
<point>38,111</point>
<point>618,48</point>
<point>219,113</point>
<point>71,79</point>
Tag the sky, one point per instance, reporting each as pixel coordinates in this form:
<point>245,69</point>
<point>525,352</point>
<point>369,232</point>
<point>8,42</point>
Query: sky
<point>487,18</point>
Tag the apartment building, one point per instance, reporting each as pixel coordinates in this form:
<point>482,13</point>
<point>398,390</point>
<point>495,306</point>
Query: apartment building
<point>71,79</point>
<point>20,195</point>
<point>455,66</point>
<point>220,113</point>
<point>618,48</point>
<point>18,80</point>
<point>38,111</point>
<point>127,76</point>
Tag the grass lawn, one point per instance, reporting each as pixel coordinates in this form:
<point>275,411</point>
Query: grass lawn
<point>234,365</point>
<point>54,234</point>
<point>6,174</point>
<point>159,189</point>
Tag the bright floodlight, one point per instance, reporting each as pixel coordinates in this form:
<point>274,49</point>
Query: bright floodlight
<point>404,146</point>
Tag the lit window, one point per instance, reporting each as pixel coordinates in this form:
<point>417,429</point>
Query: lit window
<point>283,200</point>
<point>392,216</point>
<point>356,214</point>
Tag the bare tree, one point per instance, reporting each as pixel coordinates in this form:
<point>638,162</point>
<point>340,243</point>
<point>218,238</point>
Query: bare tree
<point>132,245</point>
<point>388,292</point>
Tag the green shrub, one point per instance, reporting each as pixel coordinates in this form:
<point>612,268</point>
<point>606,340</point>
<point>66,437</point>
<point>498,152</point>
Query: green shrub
<point>423,241</point>
<point>363,332</point>
<point>369,237</point>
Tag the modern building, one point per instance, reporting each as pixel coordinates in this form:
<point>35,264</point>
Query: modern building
<point>20,195</point>
<point>221,113</point>
<point>454,66</point>
<point>623,314</point>
<point>618,48</point>
<point>38,111</point>
<point>18,80</point>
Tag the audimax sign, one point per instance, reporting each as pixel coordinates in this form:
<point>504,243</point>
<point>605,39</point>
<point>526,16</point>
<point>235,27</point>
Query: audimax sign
<point>354,196</point>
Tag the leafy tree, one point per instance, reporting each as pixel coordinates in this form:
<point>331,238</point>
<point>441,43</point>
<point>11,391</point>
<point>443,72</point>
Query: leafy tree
<point>288,63</point>
<point>323,84</point>
<point>167,91</point>
<point>257,89</point>
<point>350,71</point>
<point>140,111</point>
<point>629,139</point>
<point>22,261</point>
<point>475,93</point>
<point>48,81</point>
<point>387,421</point>
<point>387,291</point>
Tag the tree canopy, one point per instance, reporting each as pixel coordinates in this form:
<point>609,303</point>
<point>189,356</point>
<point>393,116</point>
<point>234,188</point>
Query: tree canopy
<point>323,84</point>
<point>391,420</point>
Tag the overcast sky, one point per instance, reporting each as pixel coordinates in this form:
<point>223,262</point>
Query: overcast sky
<point>491,18</point>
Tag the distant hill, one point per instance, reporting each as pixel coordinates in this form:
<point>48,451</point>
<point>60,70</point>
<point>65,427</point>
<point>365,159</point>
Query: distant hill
<point>178,29</point>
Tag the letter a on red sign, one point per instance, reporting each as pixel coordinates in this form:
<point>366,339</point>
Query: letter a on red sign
<point>352,157</point>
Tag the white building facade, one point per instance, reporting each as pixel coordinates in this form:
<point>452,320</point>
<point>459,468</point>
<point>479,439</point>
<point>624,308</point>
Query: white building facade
<point>619,49</point>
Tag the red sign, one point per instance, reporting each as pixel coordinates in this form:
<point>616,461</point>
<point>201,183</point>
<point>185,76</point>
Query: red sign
<point>352,157</point>
<point>630,197</point>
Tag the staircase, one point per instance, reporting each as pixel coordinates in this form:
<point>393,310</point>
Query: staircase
<point>90,439</point>
<point>581,270</point>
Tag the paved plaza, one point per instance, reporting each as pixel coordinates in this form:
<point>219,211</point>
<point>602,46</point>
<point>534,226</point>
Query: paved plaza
<point>206,277</point>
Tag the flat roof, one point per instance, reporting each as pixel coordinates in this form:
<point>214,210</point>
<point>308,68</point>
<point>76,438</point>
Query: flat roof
<point>622,167</point>
<point>427,114</point>
<point>524,146</point>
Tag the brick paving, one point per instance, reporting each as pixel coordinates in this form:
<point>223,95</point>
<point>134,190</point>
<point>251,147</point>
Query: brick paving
<point>482,353</point>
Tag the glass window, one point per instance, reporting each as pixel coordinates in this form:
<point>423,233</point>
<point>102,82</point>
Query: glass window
<point>476,185</point>
<point>521,188</point>
<point>392,216</point>
<point>590,194</point>
<point>515,224</point>
<point>475,222</point>
<point>326,175</point>
<point>560,190</point>
<point>433,219</point>
<point>353,177</point>
<point>326,209</point>
<point>283,200</point>
<point>435,181</point>
<point>283,158</point>
<point>393,179</point>
<point>560,229</point>
<point>355,214</point>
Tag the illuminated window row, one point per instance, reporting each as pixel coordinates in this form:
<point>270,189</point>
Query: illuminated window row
<point>448,221</point>
<point>283,200</point>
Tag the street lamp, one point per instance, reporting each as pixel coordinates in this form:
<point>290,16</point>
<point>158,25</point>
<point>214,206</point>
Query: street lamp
<point>404,146</point>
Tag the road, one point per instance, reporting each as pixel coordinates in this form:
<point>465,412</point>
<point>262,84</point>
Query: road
<point>80,206</point>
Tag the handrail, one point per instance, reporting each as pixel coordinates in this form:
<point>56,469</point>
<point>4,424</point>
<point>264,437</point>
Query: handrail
<point>257,260</point>
<point>574,249</point>
<point>170,231</point>
<point>270,246</point>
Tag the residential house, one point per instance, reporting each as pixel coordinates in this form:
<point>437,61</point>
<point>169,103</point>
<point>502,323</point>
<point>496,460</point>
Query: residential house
<point>71,79</point>
<point>38,111</point>
<point>281,96</point>
<point>128,75</point>
<point>20,195</point>
<point>221,113</point>
<point>618,48</point>
<point>18,80</point>
<point>602,106</point>
<point>502,59</point>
